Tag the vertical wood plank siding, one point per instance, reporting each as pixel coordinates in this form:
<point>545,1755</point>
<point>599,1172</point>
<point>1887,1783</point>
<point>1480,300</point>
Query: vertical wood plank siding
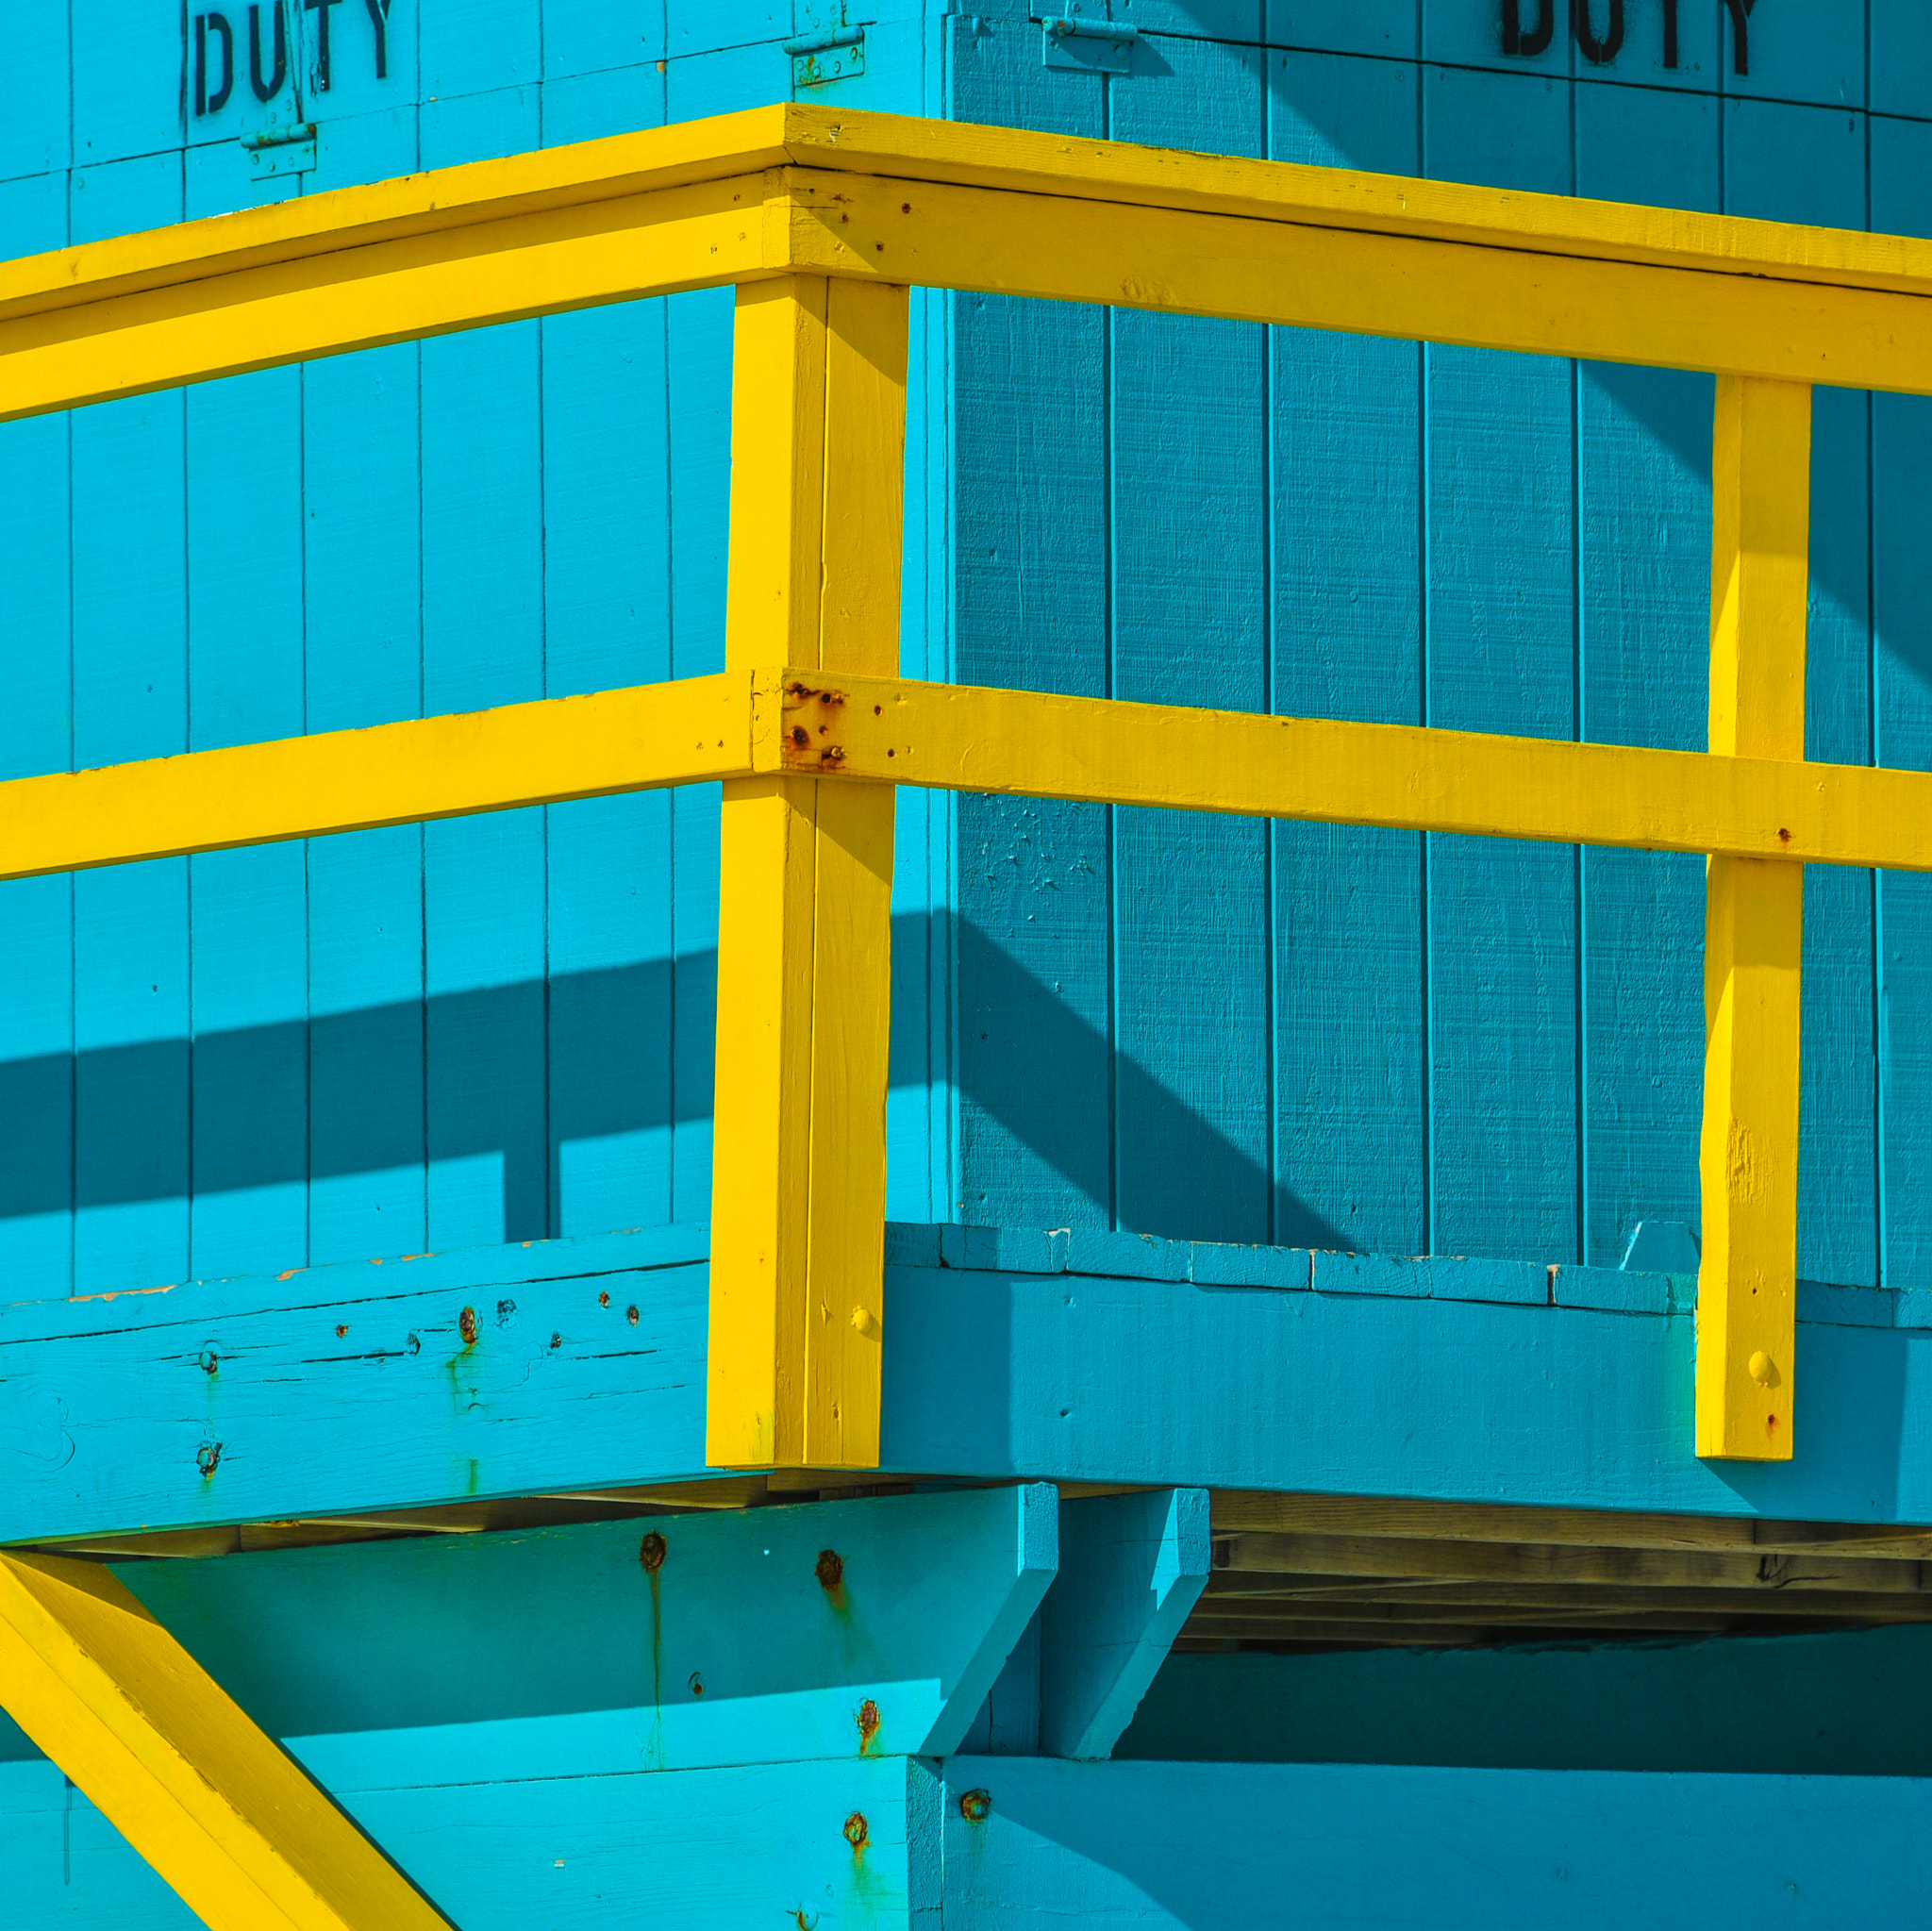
<point>1469,1047</point>
<point>1304,1034</point>
<point>473,1033</point>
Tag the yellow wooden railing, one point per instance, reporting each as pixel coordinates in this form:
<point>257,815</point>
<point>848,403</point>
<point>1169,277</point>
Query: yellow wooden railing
<point>823,220</point>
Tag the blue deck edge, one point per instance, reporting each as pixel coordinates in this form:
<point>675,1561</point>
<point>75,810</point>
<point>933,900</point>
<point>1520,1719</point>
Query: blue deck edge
<point>1064,1355</point>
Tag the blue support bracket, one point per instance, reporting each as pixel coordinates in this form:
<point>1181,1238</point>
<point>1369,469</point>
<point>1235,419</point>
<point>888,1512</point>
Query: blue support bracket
<point>867,1628</point>
<point>1131,1569</point>
<point>1661,1247</point>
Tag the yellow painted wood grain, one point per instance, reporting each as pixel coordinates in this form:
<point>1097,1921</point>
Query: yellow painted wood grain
<point>541,753</point>
<point>1412,779</point>
<point>864,486</point>
<point>388,291</point>
<point>903,147</point>
<point>907,148</point>
<point>1498,295</point>
<point>1753,931</point>
<point>762,1114</point>
<point>761,1125</point>
<point>219,1810</point>
<point>883,196</point>
<point>805,927</point>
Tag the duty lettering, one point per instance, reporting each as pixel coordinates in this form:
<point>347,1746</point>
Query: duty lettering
<point>1527,38</point>
<point>213,38</point>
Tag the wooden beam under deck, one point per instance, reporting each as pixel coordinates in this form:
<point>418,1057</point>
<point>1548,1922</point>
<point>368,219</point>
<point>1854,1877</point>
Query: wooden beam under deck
<point>1246,1511</point>
<point>1325,1572</point>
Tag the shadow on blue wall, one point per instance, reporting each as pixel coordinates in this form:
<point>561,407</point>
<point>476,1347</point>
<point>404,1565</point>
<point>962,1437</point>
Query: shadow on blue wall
<point>364,1073</point>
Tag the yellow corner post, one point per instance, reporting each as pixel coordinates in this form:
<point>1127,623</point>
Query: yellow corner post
<point>216,1807</point>
<point>804,888</point>
<point>1753,930</point>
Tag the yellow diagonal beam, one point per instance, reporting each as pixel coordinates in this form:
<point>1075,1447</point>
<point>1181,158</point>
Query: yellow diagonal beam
<point>1043,745</point>
<point>543,752</point>
<point>218,1808</point>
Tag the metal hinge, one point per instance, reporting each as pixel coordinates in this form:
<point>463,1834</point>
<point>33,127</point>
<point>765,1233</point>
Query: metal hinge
<point>1084,45</point>
<point>287,150</point>
<point>837,54</point>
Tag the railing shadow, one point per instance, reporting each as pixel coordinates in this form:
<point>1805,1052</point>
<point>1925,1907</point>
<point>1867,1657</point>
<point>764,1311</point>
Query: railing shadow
<point>521,1071</point>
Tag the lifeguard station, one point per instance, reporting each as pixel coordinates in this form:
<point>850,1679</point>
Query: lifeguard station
<point>963,969</point>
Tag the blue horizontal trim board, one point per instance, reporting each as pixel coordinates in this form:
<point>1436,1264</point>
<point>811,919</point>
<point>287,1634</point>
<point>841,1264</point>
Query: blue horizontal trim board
<point>1119,1846</point>
<point>1219,1847</point>
<point>1159,1379</point>
<point>752,1846</point>
<point>489,1371</point>
<point>1070,1356</point>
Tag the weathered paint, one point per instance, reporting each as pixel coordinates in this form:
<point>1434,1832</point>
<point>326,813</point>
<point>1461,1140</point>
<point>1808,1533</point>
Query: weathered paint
<point>1556,1121</point>
<point>1080,1355</point>
<point>558,1652</point>
<point>752,1846</point>
<point>1120,1844</point>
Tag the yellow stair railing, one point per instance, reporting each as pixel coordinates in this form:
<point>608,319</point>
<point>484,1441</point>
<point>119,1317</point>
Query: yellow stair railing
<point>823,220</point>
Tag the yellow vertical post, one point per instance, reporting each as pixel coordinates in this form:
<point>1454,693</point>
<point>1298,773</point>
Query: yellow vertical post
<point>1753,930</point>
<point>805,889</point>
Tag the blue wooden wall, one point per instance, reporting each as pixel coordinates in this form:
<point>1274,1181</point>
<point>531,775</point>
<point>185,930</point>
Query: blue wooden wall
<point>1367,1040</point>
<point>487,1030</point>
<point>502,1029</point>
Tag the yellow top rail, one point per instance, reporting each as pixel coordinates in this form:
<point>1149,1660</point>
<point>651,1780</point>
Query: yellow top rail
<point>823,220</point>
<point>800,189</point>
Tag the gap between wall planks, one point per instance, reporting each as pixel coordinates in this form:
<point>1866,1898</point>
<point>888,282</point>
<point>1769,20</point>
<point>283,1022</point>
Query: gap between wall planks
<point>813,206</point>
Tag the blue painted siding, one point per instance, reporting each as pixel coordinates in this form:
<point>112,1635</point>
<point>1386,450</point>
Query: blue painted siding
<point>1344,1847</point>
<point>1365,1040</point>
<point>1305,1034</point>
<point>465,1034</point>
<point>1117,1845</point>
<point>1077,1355</point>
